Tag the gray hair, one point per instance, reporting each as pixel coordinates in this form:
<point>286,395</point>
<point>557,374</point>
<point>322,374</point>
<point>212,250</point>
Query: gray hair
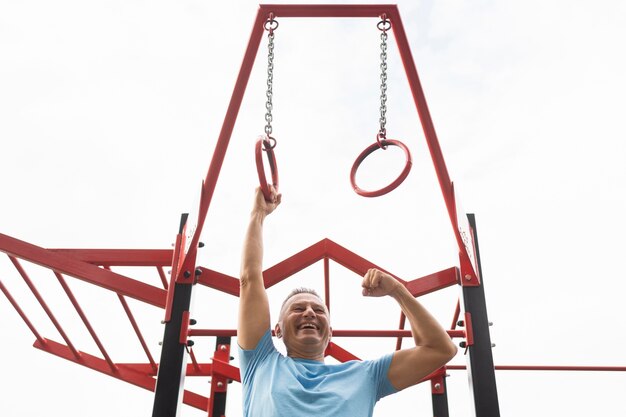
<point>299,290</point>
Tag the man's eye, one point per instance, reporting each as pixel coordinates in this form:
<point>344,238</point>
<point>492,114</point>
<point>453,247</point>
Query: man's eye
<point>298,309</point>
<point>319,310</point>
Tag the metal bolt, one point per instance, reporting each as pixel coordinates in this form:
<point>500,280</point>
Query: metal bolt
<point>190,343</point>
<point>173,245</point>
<point>200,244</point>
<point>468,277</point>
<point>169,272</point>
<point>437,386</point>
<point>493,345</point>
<point>223,347</point>
<point>187,274</point>
<point>232,358</point>
<point>162,321</point>
<point>463,344</point>
<point>490,323</point>
<point>198,272</point>
<point>161,343</point>
<point>220,384</point>
<point>460,323</point>
<point>192,322</point>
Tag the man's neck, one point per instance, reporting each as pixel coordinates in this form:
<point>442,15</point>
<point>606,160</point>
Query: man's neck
<point>294,354</point>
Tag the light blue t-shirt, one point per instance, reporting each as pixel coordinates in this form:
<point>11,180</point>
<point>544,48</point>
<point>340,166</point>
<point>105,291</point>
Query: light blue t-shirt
<point>278,386</point>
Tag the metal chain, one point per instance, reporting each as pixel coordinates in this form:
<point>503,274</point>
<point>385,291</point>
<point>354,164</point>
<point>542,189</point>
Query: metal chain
<point>383,25</point>
<point>269,26</point>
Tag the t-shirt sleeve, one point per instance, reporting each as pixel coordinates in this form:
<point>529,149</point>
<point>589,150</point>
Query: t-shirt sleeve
<point>380,369</point>
<point>249,360</point>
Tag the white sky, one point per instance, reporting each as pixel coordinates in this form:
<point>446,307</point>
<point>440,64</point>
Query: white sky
<point>109,112</point>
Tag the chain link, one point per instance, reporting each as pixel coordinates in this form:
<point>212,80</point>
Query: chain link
<point>383,76</point>
<point>270,78</point>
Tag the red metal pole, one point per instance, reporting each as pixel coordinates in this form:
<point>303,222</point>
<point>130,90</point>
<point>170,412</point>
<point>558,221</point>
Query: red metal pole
<point>401,327</point>
<point>162,276</point>
<point>327,282</point>
<point>133,322</point>
<point>193,359</point>
<point>22,314</point>
<point>44,306</point>
<point>336,333</point>
<point>457,311</point>
<point>83,317</point>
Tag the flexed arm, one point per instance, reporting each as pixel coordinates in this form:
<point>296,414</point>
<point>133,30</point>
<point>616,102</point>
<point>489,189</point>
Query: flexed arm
<point>433,347</point>
<point>254,312</point>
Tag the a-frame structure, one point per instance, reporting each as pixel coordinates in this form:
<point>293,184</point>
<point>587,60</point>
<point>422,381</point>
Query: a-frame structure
<point>166,378</point>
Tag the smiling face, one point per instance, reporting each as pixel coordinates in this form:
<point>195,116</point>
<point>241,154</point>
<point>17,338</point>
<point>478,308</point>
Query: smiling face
<point>304,326</point>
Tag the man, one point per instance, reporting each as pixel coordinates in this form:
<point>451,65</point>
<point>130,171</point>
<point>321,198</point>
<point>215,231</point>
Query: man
<point>300,384</point>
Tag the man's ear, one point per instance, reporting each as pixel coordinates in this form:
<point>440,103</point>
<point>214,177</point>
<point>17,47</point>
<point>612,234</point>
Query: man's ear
<point>277,330</point>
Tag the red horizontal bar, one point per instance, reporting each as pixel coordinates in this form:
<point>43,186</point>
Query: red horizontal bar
<point>67,265</point>
<point>327,10</point>
<point>547,368</point>
<point>336,333</point>
<point>120,257</point>
<point>433,282</point>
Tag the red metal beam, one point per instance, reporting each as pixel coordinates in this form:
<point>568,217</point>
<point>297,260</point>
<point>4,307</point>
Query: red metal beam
<point>336,333</point>
<point>122,372</point>
<point>23,315</point>
<point>67,265</point>
<point>83,317</point>
<point>433,282</point>
<point>45,307</point>
<point>120,257</point>
<point>340,353</point>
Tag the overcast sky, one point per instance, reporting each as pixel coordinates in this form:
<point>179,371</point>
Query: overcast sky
<point>110,110</point>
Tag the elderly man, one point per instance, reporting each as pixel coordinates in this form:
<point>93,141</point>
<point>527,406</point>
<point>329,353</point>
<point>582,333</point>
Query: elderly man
<point>301,384</point>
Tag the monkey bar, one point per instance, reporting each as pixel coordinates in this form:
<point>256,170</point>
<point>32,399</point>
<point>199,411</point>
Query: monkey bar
<point>167,376</point>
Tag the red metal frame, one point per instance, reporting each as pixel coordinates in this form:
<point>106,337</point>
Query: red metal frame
<point>93,265</point>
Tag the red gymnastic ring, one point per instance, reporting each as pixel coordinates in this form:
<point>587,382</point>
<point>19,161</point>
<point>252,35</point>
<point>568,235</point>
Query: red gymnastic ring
<point>264,143</point>
<point>381,144</point>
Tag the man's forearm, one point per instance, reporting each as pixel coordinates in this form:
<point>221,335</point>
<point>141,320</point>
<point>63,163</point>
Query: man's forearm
<point>252,256</point>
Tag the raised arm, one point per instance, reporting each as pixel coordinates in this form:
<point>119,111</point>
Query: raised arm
<point>433,347</point>
<point>254,311</point>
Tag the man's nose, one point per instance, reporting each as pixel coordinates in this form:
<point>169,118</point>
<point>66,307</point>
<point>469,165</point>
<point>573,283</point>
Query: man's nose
<point>309,312</point>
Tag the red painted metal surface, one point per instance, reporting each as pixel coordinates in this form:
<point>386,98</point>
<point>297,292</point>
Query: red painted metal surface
<point>122,372</point>
<point>83,317</point>
<point>45,307</point>
<point>67,265</point>
<point>395,183</point>
<point>263,145</point>
<point>120,257</point>
<point>21,313</point>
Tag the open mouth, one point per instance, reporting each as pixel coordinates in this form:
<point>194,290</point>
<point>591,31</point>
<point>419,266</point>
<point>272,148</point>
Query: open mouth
<point>306,326</point>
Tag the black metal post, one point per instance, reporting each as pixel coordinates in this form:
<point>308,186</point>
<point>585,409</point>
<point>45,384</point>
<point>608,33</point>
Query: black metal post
<point>219,395</point>
<point>440,399</point>
<point>480,359</point>
<point>173,363</point>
